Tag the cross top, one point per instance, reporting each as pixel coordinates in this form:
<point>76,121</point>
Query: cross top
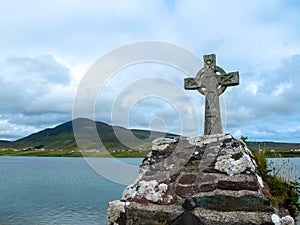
<point>212,81</point>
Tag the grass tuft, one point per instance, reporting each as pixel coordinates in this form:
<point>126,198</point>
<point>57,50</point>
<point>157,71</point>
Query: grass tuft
<point>282,178</point>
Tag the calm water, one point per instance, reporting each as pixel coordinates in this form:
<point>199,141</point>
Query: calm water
<point>38,190</point>
<point>48,190</point>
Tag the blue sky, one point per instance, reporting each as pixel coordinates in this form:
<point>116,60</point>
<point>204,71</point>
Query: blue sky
<point>47,46</point>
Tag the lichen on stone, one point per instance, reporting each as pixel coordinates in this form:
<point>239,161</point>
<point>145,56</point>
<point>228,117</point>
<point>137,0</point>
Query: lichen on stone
<point>286,220</point>
<point>214,169</point>
<point>197,141</point>
<point>160,147</point>
<point>129,192</point>
<point>115,209</point>
<point>161,143</point>
<point>163,140</point>
<point>225,163</point>
<point>203,140</point>
<point>151,190</point>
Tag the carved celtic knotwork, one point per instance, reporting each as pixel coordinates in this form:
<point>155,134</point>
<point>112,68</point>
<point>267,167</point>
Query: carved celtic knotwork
<point>212,81</point>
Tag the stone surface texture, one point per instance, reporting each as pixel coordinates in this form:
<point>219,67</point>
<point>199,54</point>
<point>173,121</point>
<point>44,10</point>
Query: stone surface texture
<point>212,81</point>
<point>202,180</point>
<point>116,212</point>
<point>286,220</point>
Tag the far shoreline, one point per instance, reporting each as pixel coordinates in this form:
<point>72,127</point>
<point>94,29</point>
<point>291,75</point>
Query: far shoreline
<point>117,154</point>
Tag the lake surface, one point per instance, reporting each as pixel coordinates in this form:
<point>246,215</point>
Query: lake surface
<point>49,190</point>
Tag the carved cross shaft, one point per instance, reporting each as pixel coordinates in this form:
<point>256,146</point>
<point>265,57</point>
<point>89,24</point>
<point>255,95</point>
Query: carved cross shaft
<point>212,81</point>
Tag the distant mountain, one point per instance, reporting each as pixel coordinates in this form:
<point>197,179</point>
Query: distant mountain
<point>5,144</point>
<point>62,137</point>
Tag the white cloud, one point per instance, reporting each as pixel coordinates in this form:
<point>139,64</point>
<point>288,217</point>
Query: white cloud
<point>253,87</point>
<point>10,131</point>
<point>282,88</point>
<point>36,92</point>
<point>25,79</point>
<point>46,46</point>
<point>273,112</point>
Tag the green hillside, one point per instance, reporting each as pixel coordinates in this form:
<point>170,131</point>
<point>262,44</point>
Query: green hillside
<point>268,145</point>
<point>276,149</point>
<point>5,144</point>
<point>60,140</point>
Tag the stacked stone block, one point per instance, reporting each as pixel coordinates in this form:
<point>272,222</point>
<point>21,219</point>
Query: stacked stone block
<point>202,180</point>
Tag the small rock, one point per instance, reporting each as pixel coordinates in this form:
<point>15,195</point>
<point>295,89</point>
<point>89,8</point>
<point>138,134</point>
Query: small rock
<point>237,185</point>
<point>129,192</point>
<point>160,144</point>
<point>287,220</point>
<point>275,219</point>
<point>116,212</point>
<point>230,166</point>
<point>197,141</point>
<point>207,178</point>
<point>163,140</point>
<point>152,191</point>
<point>187,179</point>
<point>207,187</point>
<point>186,192</point>
<point>160,147</point>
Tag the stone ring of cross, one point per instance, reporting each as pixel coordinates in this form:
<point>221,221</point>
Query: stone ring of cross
<point>212,78</point>
<point>201,77</point>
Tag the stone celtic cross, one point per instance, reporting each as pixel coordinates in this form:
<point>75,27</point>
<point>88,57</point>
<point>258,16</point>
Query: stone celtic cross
<point>212,81</point>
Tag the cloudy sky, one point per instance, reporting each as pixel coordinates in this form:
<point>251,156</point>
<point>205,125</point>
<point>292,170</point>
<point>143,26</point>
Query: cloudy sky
<point>46,48</point>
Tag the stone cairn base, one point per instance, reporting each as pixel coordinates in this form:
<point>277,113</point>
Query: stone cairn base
<point>210,180</point>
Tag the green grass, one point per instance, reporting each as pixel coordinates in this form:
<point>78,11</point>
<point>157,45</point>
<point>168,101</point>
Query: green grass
<point>283,184</point>
<point>282,154</point>
<point>72,153</point>
<point>132,154</point>
<point>145,148</point>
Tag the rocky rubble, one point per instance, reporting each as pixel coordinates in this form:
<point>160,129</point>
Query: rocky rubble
<point>201,180</point>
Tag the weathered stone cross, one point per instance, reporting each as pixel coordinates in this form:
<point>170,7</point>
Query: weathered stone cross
<point>212,81</point>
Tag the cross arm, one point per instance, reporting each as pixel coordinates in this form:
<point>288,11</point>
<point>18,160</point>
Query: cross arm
<point>229,79</point>
<point>191,84</point>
